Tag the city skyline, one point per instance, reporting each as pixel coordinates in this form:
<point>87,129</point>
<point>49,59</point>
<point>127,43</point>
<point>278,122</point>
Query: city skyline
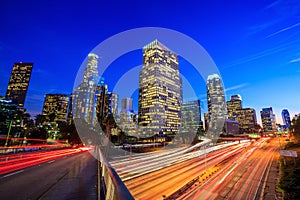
<point>257,54</point>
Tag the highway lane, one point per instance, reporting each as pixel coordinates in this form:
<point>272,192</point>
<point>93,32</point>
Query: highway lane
<point>242,179</point>
<point>129,169</point>
<point>170,179</point>
<point>70,177</point>
<point>14,162</point>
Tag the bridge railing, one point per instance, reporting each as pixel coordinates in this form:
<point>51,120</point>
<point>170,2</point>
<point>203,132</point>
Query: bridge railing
<point>110,185</point>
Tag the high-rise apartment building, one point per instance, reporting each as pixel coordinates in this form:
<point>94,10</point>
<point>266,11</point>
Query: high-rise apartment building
<point>217,111</point>
<point>191,117</point>
<point>84,95</point>
<point>160,91</point>
<point>286,118</point>
<point>55,107</point>
<point>18,83</point>
<point>268,119</point>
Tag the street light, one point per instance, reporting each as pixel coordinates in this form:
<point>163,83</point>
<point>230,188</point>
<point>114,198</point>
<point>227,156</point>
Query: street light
<point>9,128</point>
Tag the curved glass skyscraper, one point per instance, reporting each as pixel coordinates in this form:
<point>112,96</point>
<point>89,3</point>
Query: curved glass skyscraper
<point>217,111</point>
<point>286,118</point>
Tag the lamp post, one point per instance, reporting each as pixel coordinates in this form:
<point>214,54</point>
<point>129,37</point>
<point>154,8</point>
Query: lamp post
<point>9,128</point>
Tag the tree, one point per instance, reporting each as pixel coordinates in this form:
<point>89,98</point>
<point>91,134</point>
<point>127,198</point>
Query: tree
<point>295,128</point>
<point>39,119</point>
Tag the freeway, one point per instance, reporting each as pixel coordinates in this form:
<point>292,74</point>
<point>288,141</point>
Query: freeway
<point>13,162</point>
<point>72,176</point>
<point>244,178</point>
<point>144,164</point>
<point>168,179</point>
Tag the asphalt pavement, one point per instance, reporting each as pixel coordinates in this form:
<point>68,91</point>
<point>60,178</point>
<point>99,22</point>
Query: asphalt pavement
<point>71,177</point>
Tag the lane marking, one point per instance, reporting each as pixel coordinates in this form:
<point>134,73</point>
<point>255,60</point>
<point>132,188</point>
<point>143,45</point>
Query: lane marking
<point>17,172</point>
<point>51,161</point>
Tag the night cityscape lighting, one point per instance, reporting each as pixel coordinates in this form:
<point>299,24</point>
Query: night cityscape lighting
<point>126,100</point>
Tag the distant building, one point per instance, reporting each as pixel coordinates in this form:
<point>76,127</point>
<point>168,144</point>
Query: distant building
<point>13,119</point>
<point>247,120</point>
<point>217,111</point>
<point>206,121</point>
<point>233,106</point>
<point>232,127</point>
<point>84,95</point>
<point>268,119</point>
<point>70,119</point>
<point>55,107</point>
<point>128,119</point>
<point>286,118</point>
<point>191,117</point>
<point>18,83</point>
<point>160,91</point>
<point>246,117</point>
<point>107,105</point>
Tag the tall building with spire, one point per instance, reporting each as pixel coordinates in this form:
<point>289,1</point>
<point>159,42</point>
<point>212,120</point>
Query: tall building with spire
<point>18,83</point>
<point>217,112</point>
<point>160,91</point>
<point>84,95</point>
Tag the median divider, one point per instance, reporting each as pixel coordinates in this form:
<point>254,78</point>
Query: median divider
<point>110,185</point>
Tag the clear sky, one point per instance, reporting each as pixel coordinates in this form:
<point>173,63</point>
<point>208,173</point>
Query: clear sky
<point>255,44</point>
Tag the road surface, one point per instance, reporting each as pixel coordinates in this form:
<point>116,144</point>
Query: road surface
<point>69,177</point>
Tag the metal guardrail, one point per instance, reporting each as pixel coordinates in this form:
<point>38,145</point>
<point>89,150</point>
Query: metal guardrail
<point>110,185</point>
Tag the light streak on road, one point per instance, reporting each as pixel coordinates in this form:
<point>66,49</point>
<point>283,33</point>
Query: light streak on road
<point>11,163</point>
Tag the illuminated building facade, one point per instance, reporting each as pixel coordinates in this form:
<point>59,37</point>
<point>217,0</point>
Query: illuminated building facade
<point>57,105</point>
<point>246,117</point>
<point>107,104</point>
<point>18,83</point>
<point>70,110</point>
<point>206,121</point>
<point>128,118</point>
<point>247,120</point>
<point>286,118</point>
<point>233,106</point>
<point>217,111</point>
<point>232,127</point>
<point>268,119</point>
<point>160,91</point>
<point>84,98</point>
<point>191,117</point>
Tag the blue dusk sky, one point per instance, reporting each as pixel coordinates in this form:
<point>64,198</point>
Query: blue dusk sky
<point>255,44</point>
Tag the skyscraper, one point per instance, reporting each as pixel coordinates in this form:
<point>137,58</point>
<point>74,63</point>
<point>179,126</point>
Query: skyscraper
<point>268,119</point>
<point>127,116</point>
<point>246,117</point>
<point>247,120</point>
<point>233,106</point>
<point>191,117</point>
<point>160,91</point>
<point>286,118</point>
<point>126,105</point>
<point>84,98</point>
<point>56,107</point>
<point>216,105</point>
<point>18,83</point>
